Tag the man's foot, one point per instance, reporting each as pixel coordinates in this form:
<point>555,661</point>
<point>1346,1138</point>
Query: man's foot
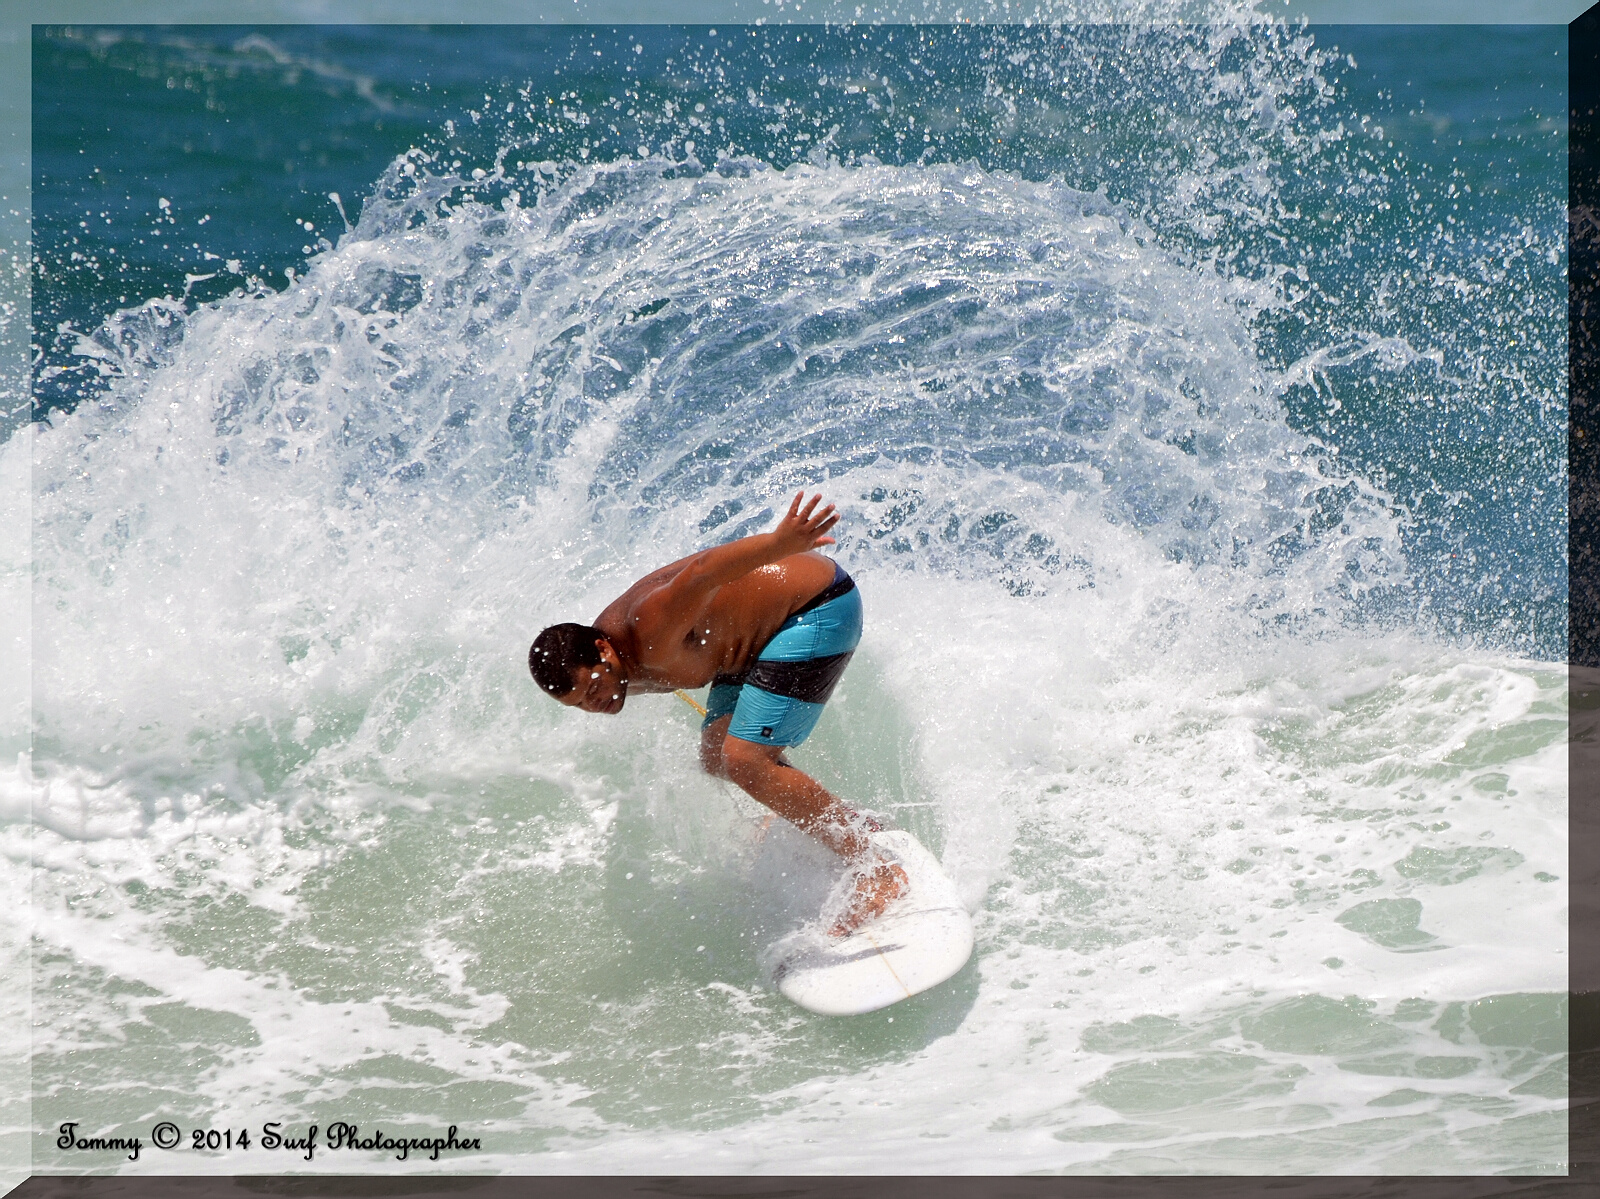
<point>876,888</point>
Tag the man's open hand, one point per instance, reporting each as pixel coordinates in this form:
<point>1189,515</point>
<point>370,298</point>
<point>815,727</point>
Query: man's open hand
<point>802,529</point>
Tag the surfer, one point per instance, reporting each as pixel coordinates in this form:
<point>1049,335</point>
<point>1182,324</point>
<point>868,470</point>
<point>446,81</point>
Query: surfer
<point>771,624</point>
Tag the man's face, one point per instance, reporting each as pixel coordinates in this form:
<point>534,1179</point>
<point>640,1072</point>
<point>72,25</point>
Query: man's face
<point>602,688</point>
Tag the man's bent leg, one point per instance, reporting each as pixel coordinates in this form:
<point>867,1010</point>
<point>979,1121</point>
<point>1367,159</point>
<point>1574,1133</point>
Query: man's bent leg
<point>761,772</point>
<point>711,738</point>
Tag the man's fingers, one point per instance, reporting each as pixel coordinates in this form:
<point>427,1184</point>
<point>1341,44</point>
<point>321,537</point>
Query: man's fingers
<point>812,521</point>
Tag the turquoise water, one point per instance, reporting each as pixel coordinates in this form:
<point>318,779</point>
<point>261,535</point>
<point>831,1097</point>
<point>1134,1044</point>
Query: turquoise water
<point>1195,400</point>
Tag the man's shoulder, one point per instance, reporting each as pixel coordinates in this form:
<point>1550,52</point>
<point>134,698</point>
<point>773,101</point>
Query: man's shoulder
<point>637,610</point>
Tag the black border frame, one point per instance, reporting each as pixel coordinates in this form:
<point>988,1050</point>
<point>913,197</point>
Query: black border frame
<point>1583,1177</point>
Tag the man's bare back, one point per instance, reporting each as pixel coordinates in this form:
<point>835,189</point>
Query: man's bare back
<point>735,621</point>
<point>714,617</point>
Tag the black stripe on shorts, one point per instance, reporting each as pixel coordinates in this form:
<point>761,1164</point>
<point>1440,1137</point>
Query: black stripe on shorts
<point>811,681</point>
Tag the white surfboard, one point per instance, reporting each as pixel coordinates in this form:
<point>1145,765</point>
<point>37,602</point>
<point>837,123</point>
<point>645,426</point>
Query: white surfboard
<point>921,939</point>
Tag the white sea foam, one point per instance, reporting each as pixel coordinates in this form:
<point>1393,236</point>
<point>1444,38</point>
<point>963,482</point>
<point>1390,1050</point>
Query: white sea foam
<point>295,794</point>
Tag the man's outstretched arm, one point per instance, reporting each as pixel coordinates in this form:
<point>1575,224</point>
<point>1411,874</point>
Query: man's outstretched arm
<point>801,529</point>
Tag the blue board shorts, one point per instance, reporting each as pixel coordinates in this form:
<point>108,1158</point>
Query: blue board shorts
<point>779,699</point>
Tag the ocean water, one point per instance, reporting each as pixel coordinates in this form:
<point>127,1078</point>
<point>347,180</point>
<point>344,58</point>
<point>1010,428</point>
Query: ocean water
<point>1194,397</point>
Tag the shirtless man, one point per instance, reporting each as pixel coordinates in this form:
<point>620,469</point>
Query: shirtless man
<point>770,624</point>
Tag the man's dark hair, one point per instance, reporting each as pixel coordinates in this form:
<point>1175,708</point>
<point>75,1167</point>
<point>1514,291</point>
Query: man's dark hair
<point>556,651</point>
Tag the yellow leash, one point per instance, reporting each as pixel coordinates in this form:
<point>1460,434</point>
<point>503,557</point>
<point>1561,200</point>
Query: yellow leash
<point>691,701</point>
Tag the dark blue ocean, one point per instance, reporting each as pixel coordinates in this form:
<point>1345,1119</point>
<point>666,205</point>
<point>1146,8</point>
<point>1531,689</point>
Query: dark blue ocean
<point>1196,400</point>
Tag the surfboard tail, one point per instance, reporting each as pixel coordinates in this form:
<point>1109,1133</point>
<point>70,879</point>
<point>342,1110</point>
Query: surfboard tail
<point>919,941</point>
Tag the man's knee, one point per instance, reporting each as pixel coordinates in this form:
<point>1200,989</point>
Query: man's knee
<point>711,757</point>
<point>742,760</point>
<point>711,741</point>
